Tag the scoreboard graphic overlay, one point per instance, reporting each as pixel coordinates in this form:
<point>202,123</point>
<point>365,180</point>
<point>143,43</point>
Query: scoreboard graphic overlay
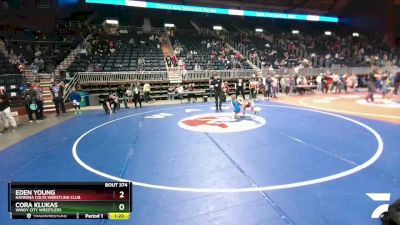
<point>78,200</point>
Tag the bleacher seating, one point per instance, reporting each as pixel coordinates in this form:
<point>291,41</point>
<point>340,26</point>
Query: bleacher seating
<point>6,67</point>
<point>159,89</point>
<point>37,50</point>
<point>207,57</point>
<point>52,53</point>
<point>11,83</point>
<point>316,50</point>
<point>126,56</point>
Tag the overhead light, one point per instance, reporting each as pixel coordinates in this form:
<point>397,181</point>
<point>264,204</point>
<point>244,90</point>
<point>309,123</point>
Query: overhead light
<point>259,30</point>
<point>113,22</point>
<point>295,32</point>
<point>169,25</point>
<point>328,33</point>
<point>217,27</point>
<point>356,34</point>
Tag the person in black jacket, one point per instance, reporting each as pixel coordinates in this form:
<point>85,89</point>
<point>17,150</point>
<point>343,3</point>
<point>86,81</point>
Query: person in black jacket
<point>239,88</point>
<point>137,92</point>
<point>371,87</point>
<point>5,112</point>
<point>121,92</point>
<point>218,95</point>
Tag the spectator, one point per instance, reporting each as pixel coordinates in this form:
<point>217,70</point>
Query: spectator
<point>110,104</point>
<point>319,82</point>
<point>171,93</point>
<point>141,63</point>
<point>191,95</point>
<point>253,86</point>
<point>283,83</point>
<point>178,92</point>
<point>239,88</point>
<point>137,91</point>
<point>57,92</point>
<point>225,91</point>
<point>267,88</point>
<point>129,94</point>
<point>146,92</point>
<point>184,74</point>
<point>396,83</point>
<point>5,113</point>
<point>371,87</point>
<point>169,61</point>
<point>325,85</point>
<point>5,5</point>
<point>30,99</point>
<point>274,86</point>
<point>121,92</point>
<point>39,101</point>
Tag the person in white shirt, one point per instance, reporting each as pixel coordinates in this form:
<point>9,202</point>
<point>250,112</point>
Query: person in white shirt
<point>129,94</point>
<point>299,80</point>
<point>336,83</point>
<point>184,74</point>
<point>197,67</point>
<point>283,83</point>
<point>179,92</point>
<point>274,86</point>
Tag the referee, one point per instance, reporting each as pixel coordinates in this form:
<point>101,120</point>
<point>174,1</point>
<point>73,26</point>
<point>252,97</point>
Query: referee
<point>217,83</point>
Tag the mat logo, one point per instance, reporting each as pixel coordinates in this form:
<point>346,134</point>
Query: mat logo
<point>159,116</point>
<point>379,197</point>
<point>192,110</point>
<point>220,123</point>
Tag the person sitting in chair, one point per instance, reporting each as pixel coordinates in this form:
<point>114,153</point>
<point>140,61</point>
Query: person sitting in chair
<point>178,92</point>
<point>191,95</point>
<point>171,93</point>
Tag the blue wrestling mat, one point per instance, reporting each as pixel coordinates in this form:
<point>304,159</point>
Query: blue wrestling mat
<point>190,165</point>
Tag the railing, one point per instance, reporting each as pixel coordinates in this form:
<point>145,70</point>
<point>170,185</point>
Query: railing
<point>95,77</point>
<point>143,29</point>
<point>110,77</point>
<point>120,77</point>
<point>316,71</point>
<point>70,86</point>
<point>224,74</point>
<point>11,79</point>
<point>41,41</point>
